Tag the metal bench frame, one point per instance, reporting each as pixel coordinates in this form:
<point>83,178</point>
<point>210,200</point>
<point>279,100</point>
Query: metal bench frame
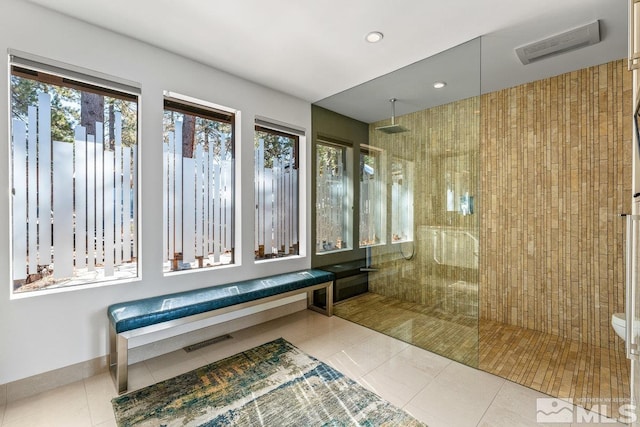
<point>119,343</point>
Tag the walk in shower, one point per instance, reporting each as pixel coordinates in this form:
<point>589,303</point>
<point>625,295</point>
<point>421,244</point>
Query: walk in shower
<point>498,243</point>
<point>423,288</point>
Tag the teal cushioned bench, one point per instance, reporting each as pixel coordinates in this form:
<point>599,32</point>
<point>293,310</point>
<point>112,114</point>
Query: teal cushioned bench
<point>135,318</point>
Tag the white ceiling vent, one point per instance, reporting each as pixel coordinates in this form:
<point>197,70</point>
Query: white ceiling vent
<point>569,40</point>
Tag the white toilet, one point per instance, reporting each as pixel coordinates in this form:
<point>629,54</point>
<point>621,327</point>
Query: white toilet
<point>619,323</point>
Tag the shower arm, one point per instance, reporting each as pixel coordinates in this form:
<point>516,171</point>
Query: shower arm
<point>393,110</point>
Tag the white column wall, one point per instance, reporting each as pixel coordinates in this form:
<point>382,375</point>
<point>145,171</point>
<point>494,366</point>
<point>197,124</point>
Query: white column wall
<point>47,332</point>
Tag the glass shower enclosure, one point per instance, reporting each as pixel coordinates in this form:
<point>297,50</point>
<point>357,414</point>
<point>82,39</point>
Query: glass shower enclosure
<point>424,285</point>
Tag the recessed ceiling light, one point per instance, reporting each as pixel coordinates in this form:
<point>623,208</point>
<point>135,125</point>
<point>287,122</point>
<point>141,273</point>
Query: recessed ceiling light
<point>374,37</point>
<point>439,85</point>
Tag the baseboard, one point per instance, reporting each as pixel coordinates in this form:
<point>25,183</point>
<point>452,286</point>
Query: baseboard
<point>50,380</point>
<point>46,381</point>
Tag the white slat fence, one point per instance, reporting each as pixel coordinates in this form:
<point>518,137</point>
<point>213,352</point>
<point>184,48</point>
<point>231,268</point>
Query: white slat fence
<point>198,205</point>
<point>72,207</point>
<point>276,198</point>
<point>330,196</point>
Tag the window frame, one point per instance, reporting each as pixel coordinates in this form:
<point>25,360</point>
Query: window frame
<point>292,132</point>
<point>50,72</point>
<point>348,217</point>
<point>184,104</point>
<point>408,166</point>
<point>381,156</point>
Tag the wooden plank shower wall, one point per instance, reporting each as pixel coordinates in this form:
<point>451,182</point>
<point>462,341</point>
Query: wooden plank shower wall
<point>555,171</point>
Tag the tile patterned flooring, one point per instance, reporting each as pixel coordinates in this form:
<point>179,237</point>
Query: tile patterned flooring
<point>556,366</point>
<point>453,335</point>
<point>436,390</point>
<point>544,362</point>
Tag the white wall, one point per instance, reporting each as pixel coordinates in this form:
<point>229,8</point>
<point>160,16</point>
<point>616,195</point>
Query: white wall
<point>47,332</point>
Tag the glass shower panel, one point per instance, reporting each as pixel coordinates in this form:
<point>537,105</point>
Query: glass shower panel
<point>423,280</point>
<point>426,288</point>
<point>428,276</point>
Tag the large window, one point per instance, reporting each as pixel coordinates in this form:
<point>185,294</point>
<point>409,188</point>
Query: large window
<point>198,185</point>
<point>332,208</point>
<point>372,197</point>
<point>74,142</point>
<point>276,194</point>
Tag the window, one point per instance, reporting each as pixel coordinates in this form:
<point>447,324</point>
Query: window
<point>372,197</point>
<point>401,200</point>
<point>456,182</point>
<point>198,166</point>
<point>276,194</point>
<point>332,207</point>
<point>74,147</point>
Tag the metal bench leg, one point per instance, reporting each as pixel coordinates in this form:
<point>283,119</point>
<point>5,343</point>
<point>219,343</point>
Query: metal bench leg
<point>113,351</point>
<point>310,299</point>
<point>122,369</point>
<point>328,311</point>
<point>118,359</point>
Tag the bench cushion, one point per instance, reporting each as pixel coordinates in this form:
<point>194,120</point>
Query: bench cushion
<point>126,316</point>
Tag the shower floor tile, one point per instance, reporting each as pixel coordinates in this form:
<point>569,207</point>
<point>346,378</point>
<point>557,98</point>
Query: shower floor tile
<point>588,375</point>
<point>453,336</point>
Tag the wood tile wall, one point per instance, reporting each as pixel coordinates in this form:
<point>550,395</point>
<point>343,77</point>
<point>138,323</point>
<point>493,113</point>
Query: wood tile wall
<point>441,141</point>
<point>553,167</point>
<point>555,161</point>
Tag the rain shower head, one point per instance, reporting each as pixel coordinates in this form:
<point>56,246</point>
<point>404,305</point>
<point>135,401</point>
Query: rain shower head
<point>393,127</point>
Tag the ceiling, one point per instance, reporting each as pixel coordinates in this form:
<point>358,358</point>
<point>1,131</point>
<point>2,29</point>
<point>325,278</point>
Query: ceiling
<point>486,64</point>
<point>314,50</point>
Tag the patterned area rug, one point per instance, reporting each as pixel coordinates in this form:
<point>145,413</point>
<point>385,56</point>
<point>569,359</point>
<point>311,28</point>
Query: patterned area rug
<point>274,384</point>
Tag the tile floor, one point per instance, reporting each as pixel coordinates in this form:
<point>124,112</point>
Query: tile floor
<point>436,390</point>
<point>554,365</point>
<point>544,362</point>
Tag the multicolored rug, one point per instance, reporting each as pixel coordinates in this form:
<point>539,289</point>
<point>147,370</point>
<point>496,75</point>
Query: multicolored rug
<point>274,384</point>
